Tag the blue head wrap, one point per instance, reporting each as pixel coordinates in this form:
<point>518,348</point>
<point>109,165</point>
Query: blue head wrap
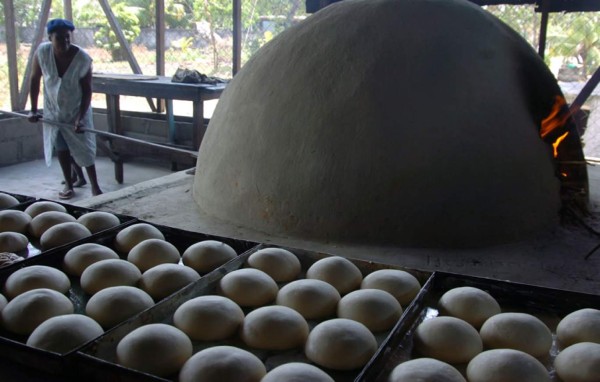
<point>56,24</point>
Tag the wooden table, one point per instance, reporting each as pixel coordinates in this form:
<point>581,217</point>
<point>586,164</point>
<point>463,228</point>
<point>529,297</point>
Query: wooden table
<point>115,85</point>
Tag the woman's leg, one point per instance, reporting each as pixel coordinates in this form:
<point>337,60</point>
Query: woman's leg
<point>91,171</point>
<point>64,159</point>
<point>77,174</point>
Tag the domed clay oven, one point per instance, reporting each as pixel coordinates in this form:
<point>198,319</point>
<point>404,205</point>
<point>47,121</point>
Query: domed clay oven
<point>400,122</point>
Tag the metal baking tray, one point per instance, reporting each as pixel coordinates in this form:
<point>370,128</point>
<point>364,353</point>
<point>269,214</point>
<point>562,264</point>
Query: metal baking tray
<point>547,304</point>
<point>34,248</point>
<point>21,198</point>
<point>97,360</point>
<point>13,348</point>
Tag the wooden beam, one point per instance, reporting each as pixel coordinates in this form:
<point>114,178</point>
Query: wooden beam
<point>68,7</point>
<point>37,40</point>
<point>160,46</point>
<point>114,24</point>
<point>543,29</point>
<point>237,36</point>
<point>11,50</point>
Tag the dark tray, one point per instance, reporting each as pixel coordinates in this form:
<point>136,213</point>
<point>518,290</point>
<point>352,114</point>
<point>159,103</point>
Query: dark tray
<point>21,198</point>
<point>13,348</point>
<point>97,360</point>
<point>549,305</point>
<point>34,248</point>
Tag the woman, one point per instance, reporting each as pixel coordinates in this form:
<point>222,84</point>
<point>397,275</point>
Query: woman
<point>67,72</point>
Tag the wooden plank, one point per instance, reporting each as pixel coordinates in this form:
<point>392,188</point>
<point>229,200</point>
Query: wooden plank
<point>37,40</point>
<point>11,50</point>
<point>160,46</point>
<point>543,29</point>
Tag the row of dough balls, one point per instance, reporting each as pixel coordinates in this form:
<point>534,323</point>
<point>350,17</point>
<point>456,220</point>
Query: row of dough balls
<point>51,224</point>
<point>7,201</point>
<point>455,339</point>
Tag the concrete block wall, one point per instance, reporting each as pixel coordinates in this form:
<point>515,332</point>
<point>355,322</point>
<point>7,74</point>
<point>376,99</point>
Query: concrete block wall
<point>20,141</point>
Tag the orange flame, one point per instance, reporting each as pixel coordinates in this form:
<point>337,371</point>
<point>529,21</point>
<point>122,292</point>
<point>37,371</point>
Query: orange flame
<point>557,142</point>
<point>556,119</point>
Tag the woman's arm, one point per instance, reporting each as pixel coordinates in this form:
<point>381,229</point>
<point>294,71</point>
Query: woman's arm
<point>34,89</point>
<point>86,97</point>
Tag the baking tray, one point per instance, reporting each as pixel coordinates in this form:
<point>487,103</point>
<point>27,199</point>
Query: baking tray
<point>34,248</point>
<point>13,348</point>
<point>21,198</point>
<point>97,360</point>
<point>547,304</point>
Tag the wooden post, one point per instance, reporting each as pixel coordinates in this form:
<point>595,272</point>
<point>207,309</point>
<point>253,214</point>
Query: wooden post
<point>11,50</point>
<point>160,46</point>
<point>543,28</point>
<point>237,36</point>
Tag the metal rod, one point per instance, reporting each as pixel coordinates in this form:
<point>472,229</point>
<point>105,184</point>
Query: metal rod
<point>111,135</point>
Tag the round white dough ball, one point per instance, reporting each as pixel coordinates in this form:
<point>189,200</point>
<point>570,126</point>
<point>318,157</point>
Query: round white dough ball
<point>281,264</point>
<point>580,326</point>
<point>274,328</point>
<point>297,372</point>
<point>579,363</point>
<point>223,364</point>
<point>506,365</point>
<point>209,318</point>
<point>34,277</point>
<point>165,279</point>
<point>313,299</point>
<point>337,271</point>
<point>109,273</point>
<point>157,349</point>
<point>13,242</point>
<point>62,334</point>
<point>377,309</point>
<point>152,252</point>
<point>3,302</point>
<point>97,221</point>
<point>26,311</point>
<point>45,220</point>
<point>401,284</point>
<point>7,200</point>
<point>63,233</point>
<point>129,237</point>
<point>206,256</point>
<point>519,331</point>
<point>447,339</point>
<point>114,305</point>
<point>37,208</point>
<point>425,370</point>
<point>78,258</point>
<point>340,344</point>
<point>249,287</point>
<point>470,304</point>
<point>14,221</point>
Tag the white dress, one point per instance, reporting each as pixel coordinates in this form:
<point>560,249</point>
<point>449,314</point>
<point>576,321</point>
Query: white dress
<point>62,98</point>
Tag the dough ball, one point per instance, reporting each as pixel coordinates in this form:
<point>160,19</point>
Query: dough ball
<point>274,328</point>
<point>249,287</point>
<point>297,372</point>
<point>45,220</point>
<point>425,370</point>
<point>62,234</point>
<point>28,310</point>
<point>109,273</point>
<point>129,237</point>
<point>470,304</point>
<point>208,255</point>
<point>78,258</point>
<point>519,331</point>
<point>340,344</point>
<point>223,364</point>
<point>7,200</point>
<point>8,258</point>
<point>506,365</point>
<point>152,252</point>
<point>165,279</point>
<point>157,349</point>
<point>313,299</point>
<point>337,271</point>
<point>37,208</point>
<point>209,318</point>
<point>34,277</point>
<point>579,363</point>
<point>13,242</point>
<point>377,309</point>
<point>580,326</point>
<point>447,339</point>
<point>3,302</point>
<point>62,334</point>
<point>14,221</point>
<point>113,305</point>
<point>401,284</point>
<point>97,221</point>
<point>282,265</point>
